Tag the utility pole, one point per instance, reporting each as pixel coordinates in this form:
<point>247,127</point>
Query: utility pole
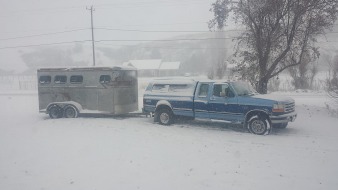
<point>91,9</point>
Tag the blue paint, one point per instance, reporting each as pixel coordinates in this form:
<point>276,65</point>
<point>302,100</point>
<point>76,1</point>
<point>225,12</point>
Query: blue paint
<point>228,101</point>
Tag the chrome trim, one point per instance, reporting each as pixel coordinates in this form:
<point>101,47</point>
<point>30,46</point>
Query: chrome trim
<point>182,109</point>
<point>289,117</point>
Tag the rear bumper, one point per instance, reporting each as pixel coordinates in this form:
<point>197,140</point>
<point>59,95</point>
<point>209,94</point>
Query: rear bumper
<point>289,117</point>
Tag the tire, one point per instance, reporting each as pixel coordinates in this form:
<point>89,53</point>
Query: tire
<point>164,116</point>
<point>70,112</point>
<point>280,125</point>
<point>55,112</point>
<point>258,125</point>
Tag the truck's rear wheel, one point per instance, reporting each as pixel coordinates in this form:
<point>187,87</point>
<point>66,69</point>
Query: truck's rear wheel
<point>259,125</point>
<point>55,112</point>
<point>71,112</point>
<point>165,116</point>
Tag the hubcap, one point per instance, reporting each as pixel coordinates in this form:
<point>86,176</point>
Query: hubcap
<point>258,126</point>
<point>164,117</point>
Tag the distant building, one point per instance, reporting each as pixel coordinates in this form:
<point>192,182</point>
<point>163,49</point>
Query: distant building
<point>154,67</point>
<point>169,68</point>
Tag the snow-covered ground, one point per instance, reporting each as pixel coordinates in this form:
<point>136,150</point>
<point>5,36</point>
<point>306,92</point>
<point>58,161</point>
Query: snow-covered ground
<point>132,152</point>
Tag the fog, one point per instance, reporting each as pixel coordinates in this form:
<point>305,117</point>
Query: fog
<point>32,24</point>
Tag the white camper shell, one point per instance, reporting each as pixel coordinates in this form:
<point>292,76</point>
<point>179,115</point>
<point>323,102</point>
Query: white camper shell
<point>66,92</point>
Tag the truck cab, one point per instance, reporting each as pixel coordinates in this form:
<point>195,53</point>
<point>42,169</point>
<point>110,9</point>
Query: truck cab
<point>233,102</point>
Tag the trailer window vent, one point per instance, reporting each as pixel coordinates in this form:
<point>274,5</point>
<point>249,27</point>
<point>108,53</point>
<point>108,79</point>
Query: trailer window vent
<point>60,79</point>
<point>105,79</point>
<point>45,79</point>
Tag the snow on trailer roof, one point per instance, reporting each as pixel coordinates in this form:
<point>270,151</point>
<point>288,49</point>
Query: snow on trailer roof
<point>86,68</point>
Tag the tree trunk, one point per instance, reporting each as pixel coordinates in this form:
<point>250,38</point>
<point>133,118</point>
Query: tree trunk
<point>262,87</point>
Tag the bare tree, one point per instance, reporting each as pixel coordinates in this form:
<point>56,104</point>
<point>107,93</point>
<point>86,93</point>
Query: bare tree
<point>332,82</point>
<point>303,74</point>
<point>278,33</point>
<point>332,85</point>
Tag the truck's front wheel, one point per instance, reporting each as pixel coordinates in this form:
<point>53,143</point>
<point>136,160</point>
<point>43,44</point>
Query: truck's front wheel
<point>259,125</point>
<point>165,116</point>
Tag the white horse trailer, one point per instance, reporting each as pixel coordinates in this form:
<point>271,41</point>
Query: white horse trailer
<point>66,92</point>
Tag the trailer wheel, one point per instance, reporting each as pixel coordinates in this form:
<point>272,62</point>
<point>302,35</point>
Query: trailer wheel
<point>55,112</point>
<point>71,112</point>
<point>165,116</point>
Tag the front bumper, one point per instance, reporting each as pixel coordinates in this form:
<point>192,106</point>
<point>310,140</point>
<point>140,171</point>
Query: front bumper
<point>284,118</point>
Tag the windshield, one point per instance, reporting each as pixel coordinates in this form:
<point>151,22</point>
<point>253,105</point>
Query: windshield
<point>243,89</point>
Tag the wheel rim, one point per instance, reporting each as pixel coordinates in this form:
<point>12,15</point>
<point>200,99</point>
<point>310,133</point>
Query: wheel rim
<point>164,118</point>
<point>70,113</point>
<point>258,127</point>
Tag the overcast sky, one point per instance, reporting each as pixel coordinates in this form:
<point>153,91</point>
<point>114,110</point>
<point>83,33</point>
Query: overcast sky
<point>34,22</point>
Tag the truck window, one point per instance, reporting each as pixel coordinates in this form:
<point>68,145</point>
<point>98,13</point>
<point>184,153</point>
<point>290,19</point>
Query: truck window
<point>45,79</point>
<point>160,88</point>
<point>220,90</point>
<point>243,88</point>
<point>76,79</point>
<point>203,91</point>
<point>105,78</point>
<point>60,79</point>
<point>178,87</point>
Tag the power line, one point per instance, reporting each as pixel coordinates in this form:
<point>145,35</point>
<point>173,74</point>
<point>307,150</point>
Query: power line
<point>165,24</point>
<point>114,29</point>
<point>58,43</point>
<point>47,44</point>
<point>83,41</point>
<point>132,30</point>
<point>168,47</point>
<point>166,31</point>
<point>45,34</point>
<point>167,40</point>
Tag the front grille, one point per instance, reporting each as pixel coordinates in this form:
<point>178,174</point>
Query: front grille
<point>290,107</point>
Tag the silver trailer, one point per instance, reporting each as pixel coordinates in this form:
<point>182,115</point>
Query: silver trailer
<point>66,92</point>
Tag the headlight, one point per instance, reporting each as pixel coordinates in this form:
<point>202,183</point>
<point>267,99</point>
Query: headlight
<point>278,108</point>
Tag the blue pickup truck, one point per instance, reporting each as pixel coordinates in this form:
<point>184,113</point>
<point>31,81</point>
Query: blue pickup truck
<point>233,102</point>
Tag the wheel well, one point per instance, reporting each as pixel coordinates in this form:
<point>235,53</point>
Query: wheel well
<point>162,107</point>
<point>258,113</point>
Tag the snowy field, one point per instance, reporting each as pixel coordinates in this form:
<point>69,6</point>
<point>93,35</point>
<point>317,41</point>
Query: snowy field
<point>104,153</point>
